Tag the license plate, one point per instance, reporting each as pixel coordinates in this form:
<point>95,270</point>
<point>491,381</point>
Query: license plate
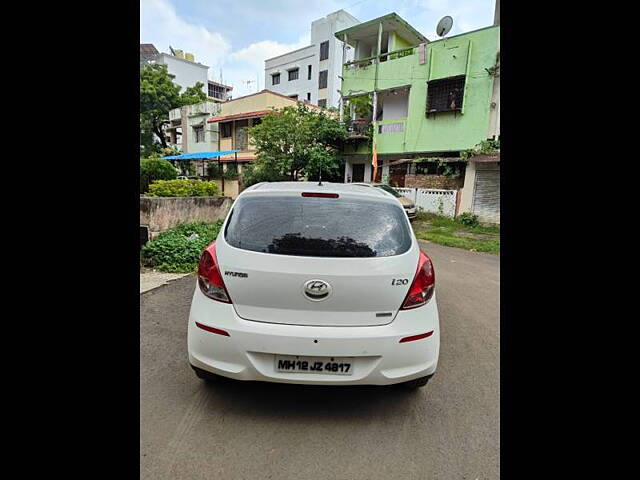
<point>324,365</point>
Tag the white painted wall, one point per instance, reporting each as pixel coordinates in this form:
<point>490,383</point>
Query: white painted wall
<point>187,73</point>
<point>395,106</point>
<point>348,170</point>
<point>300,58</point>
<point>322,30</point>
<point>466,195</point>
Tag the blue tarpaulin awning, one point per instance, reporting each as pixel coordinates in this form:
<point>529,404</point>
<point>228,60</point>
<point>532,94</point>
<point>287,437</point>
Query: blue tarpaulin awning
<point>200,155</point>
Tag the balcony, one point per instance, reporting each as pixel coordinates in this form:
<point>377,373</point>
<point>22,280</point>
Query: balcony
<point>389,135</point>
<point>203,108</point>
<point>394,68</point>
<point>358,128</point>
<point>174,114</point>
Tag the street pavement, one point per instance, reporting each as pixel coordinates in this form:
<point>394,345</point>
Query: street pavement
<point>449,429</point>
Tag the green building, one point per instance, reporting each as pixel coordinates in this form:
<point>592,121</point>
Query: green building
<point>426,102</point>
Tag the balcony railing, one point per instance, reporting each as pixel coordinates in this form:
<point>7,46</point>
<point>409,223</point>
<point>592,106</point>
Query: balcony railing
<point>396,54</point>
<point>219,95</point>
<point>358,128</point>
<point>365,62</point>
<point>395,125</point>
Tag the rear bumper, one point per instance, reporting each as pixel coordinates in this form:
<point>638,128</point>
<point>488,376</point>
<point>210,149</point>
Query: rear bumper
<point>248,353</point>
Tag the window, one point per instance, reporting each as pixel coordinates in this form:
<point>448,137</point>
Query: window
<point>241,140</point>
<point>275,78</point>
<point>324,50</point>
<point>216,91</point>
<point>309,72</point>
<point>293,74</point>
<point>445,94</point>
<point>295,97</point>
<point>225,130</point>
<point>199,133</point>
<point>322,103</point>
<point>318,227</point>
<point>322,82</point>
<point>308,96</point>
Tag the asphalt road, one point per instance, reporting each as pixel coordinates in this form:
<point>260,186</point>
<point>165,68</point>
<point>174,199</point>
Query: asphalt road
<point>448,430</point>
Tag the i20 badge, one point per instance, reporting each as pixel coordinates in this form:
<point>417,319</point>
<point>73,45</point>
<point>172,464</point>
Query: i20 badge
<point>316,290</point>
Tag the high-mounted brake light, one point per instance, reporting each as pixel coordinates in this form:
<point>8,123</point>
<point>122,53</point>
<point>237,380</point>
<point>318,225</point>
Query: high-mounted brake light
<point>423,284</point>
<point>209,277</point>
<point>320,194</point>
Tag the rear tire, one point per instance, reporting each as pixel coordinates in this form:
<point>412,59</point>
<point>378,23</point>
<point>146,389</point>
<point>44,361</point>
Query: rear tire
<point>416,383</point>
<point>206,376</point>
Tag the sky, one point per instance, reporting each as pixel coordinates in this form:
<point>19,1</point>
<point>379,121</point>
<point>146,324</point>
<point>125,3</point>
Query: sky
<point>234,37</point>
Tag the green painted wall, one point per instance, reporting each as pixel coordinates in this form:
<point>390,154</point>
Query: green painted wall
<point>445,131</point>
<point>397,42</point>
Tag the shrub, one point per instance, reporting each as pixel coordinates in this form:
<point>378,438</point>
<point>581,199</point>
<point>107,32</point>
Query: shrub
<point>182,188</point>
<point>152,169</point>
<point>468,219</point>
<point>178,250</point>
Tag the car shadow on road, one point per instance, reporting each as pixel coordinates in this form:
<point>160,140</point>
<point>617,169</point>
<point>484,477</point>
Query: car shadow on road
<point>274,400</point>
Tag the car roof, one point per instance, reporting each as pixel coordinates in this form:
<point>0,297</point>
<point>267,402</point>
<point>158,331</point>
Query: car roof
<point>350,189</point>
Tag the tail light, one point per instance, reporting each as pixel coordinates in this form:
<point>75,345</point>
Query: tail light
<point>209,277</point>
<point>423,284</point>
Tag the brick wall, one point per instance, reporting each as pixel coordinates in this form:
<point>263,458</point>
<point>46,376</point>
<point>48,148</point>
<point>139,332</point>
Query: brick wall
<point>433,181</point>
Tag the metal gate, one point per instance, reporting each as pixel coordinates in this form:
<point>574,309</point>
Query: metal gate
<point>486,192</point>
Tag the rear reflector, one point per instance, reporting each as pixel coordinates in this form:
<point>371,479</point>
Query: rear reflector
<point>321,195</point>
<point>416,337</point>
<point>213,330</point>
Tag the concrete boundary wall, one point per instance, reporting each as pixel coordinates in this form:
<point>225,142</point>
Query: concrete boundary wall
<point>443,202</point>
<point>163,213</point>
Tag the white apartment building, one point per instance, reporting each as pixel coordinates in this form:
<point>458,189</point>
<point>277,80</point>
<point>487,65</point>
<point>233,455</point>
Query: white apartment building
<point>313,73</point>
<point>186,71</point>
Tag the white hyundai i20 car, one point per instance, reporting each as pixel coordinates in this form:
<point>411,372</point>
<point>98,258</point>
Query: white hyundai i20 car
<point>315,284</point>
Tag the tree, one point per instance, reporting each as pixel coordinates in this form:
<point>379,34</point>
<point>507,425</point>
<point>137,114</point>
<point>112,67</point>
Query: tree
<point>158,95</point>
<point>152,169</point>
<point>296,141</point>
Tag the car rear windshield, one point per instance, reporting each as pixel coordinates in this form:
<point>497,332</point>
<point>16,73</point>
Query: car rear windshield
<point>387,188</point>
<point>318,227</point>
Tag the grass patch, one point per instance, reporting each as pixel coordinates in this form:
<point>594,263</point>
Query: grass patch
<point>452,233</point>
<point>178,250</point>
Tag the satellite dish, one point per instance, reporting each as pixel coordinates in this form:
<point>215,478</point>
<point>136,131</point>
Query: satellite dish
<point>444,26</point>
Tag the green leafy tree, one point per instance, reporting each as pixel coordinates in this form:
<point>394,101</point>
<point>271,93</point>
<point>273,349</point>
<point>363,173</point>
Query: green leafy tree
<point>158,95</point>
<point>295,141</point>
<point>152,169</point>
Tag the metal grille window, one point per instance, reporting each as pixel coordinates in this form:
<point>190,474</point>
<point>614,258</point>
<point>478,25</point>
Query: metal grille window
<point>199,133</point>
<point>275,79</point>
<point>216,91</point>
<point>324,50</point>
<point>225,130</point>
<point>322,82</point>
<point>445,94</point>
<point>322,103</point>
<point>293,74</point>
